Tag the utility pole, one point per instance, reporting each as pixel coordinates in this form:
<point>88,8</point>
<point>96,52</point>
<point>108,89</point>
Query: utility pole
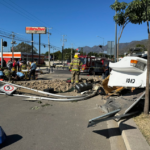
<point>13,42</point>
<point>39,47</point>
<point>32,45</point>
<point>53,56</point>
<point>1,53</point>
<point>103,44</point>
<point>115,48</point>
<point>71,51</point>
<point>63,40</point>
<point>49,48</point>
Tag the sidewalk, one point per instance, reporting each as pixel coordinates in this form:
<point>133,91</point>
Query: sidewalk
<point>133,138</point>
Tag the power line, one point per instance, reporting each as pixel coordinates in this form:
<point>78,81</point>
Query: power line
<point>28,15</point>
<point>7,35</point>
<point>31,17</point>
<point>18,12</point>
<point>27,12</point>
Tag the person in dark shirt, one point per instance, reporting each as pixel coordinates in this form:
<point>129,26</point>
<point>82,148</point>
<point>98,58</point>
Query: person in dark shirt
<point>106,70</point>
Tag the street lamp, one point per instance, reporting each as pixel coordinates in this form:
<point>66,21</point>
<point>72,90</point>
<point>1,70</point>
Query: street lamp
<point>103,41</point>
<point>101,38</point>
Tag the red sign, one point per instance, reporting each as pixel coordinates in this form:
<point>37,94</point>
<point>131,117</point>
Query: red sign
<point>8,88</point>
<point>36,30</point>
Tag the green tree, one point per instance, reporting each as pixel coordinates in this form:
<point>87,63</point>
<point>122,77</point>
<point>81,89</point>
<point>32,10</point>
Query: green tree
<point>81,51</point>
<point>135,12</point>
<point>24,47</point>
<point>67,53</point>
<point>142,46</point>
<point>57,55</point>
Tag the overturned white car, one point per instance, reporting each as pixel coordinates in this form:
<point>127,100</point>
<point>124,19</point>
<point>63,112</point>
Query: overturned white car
<point>131,71</point>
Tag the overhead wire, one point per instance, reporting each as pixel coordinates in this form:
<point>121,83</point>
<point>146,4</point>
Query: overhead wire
<point>18,12</point>
<point>7,35</point>
<point>31,17</point>
<point>44,23</point>
<point>28,12</point>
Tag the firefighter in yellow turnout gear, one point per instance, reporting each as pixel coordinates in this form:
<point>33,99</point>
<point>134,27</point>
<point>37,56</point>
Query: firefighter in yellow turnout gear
<point>7,74</point>
<point>75,66</point>
<point>24,67</point>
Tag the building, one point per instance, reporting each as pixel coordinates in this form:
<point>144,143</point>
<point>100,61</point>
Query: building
<point>22,56</point>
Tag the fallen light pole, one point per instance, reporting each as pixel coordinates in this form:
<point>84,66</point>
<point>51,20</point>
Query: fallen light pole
<point>42,92</point>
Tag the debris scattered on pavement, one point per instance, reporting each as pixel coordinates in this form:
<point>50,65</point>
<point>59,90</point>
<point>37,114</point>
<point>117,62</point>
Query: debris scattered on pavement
<point>35,107</point>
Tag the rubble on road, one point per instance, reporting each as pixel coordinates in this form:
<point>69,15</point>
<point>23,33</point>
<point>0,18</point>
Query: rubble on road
<point>57,85</point>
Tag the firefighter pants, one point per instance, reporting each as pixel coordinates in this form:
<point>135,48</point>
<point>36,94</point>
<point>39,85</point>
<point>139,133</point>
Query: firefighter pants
<point>75,76</point>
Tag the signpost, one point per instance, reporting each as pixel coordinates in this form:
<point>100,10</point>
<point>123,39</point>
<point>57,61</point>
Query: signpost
<point>36,30</point>
<point>2,44</point>
<point>8,89</point>
<point>110,49</point>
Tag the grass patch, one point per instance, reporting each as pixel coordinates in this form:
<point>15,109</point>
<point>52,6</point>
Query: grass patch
<point>143,123</point>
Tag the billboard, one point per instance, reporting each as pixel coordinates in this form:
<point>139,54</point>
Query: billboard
<point>36,30</point>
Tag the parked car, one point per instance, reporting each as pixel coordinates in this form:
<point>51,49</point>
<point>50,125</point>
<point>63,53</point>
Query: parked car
<point>59,65</point>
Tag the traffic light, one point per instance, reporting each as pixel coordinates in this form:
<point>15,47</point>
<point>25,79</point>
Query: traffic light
<point>100,46</point>
<point>5,43</point>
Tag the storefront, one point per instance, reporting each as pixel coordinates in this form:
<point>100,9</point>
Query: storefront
<point>22,56</point>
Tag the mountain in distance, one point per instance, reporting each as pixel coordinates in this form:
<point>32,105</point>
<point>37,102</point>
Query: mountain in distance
<point>123,47</point>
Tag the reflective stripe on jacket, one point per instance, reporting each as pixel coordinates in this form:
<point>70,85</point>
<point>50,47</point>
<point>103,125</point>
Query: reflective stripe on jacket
<point>23,67</point>
<point>7,72</point>
<point>75,65</point>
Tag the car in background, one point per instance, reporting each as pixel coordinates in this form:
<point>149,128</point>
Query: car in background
<point>59,65</point>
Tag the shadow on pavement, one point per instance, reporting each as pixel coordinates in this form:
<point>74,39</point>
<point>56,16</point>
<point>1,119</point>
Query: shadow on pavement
<point>113,131</point>
<point>10,139</point>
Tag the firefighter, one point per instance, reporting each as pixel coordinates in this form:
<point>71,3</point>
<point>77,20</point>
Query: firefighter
<point>14,66</point>
<point>24,66</point>
<point>75,66</point>
<point>7,74</point>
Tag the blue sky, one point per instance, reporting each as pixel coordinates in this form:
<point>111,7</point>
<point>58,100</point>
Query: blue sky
<point>81,20</point>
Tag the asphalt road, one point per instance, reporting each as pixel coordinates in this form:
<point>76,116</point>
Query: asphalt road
<point>63,74</point>
<point>58,126</point>
<point>66,71</point>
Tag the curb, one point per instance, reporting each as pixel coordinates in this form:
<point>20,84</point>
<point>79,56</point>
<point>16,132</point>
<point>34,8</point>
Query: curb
<point>133,138</point>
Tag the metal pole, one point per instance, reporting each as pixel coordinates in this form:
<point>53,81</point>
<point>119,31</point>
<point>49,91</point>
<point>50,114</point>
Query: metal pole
<point>39,46</point>
<point>12,46</point>
<point>71,52</point>
<point>110,55</point>
<point>49,49</point>
<point>53,56</point>
<point>115,49</point>
<point>1,53</point>
<point>62,53</point>
<point>103,46</point>
<point>63,47</point>
<point>32,47</point>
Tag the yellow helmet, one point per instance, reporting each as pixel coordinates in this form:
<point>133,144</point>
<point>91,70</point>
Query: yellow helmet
<point>76,56</point>
<point>13,69</point>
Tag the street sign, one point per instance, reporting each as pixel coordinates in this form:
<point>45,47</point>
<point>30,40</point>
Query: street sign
<point>8,89</point>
